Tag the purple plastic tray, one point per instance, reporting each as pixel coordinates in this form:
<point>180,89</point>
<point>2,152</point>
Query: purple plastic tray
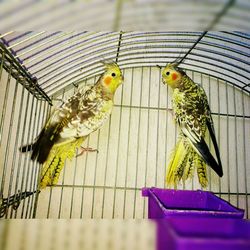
<point>179,233</point>
<point>163,203</point>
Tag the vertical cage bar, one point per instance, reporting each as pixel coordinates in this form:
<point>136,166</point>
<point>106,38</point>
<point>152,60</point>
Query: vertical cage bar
<point>39,166</point>
<point>119,4</point>
<point>118,154</point>
<point>73,189</point>
<point>5,105</point>
<point>193,80</point>
<point>26,156</point>
<point>1,65</point>
<point>35,167</point>
<point>128,143</point>
<point>84,178</point>
<point>63,179</point>
<point>95,169</point>
<point>244,154</point>
<point>138,145</point>
<point>50,196</point>
<point>50,193</point>
<point>27,162</point>
<point>106,167</point>
<point>166,139</point>
<point>74,177</point>
<point>9,138</point>
<point>32,164</point>
<point>209,98</point>
<point>157,132</point>
<point>228,169</point>
<point>20,157</point>
<point>236,144</point>
<point>1,128</point>
<point>218,101</point>
<point>15,151</point>
<point>147,153</point>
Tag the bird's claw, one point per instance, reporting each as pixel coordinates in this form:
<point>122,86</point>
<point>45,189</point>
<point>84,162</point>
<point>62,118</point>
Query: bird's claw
<point>170,111</point>
<point>83,150</point>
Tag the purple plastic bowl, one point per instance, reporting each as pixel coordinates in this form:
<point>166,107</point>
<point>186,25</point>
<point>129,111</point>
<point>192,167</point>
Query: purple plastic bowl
<point>180,233</point>
<point>164,203</point>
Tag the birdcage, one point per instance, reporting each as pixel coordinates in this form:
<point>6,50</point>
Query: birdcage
<point>41,69</point>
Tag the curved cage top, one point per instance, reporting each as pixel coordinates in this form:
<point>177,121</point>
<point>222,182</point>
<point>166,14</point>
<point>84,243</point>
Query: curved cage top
<point>58,59</point>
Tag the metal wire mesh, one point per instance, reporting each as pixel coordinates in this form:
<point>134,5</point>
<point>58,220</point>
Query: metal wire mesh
<point>22,115</point>
<point>134,145</point>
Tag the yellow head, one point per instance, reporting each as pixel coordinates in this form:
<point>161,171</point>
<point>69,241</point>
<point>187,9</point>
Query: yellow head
<point>172,75</point>
<point>112,77</point>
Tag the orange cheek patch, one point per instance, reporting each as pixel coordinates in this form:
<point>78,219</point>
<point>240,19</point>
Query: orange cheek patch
<point>174,76</point>
<point>107,80</point>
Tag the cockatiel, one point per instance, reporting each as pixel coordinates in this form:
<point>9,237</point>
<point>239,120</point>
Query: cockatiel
<point>193,115</point>
<point>69,125</point>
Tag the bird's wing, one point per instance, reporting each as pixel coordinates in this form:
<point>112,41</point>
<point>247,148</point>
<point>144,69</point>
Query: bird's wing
<point>193,122</point>
<point>210,126</point>
<point>68,122</point>
<point>88,114</point>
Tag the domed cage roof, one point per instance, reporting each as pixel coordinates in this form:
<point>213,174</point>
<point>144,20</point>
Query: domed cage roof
<point>59,59</point>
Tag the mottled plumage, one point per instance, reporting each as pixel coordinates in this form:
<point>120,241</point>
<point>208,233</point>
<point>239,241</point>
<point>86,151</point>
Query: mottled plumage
<point>70,124</point>
<point>192,113</point>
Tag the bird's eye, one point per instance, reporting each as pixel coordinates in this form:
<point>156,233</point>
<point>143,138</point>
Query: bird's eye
<point>167,73</point>
<point>113,74</point>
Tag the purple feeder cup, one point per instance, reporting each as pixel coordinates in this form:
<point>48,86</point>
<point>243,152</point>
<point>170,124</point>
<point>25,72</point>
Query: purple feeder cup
<point>195,220</point>
<point>164,203</point>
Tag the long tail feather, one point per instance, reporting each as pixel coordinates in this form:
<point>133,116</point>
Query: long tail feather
<point>184,160</point>
<point>52,168</point>
<point>208,157</point>
<point>175,172</point>
<point>189,168</point>
<point>216,148</point>
<point>44,144</point>
<point>26,148</point>
<point>51,171</point>
<point>201,170</point>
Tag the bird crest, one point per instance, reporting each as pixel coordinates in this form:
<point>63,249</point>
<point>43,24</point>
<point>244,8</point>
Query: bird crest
<point>109,64</point>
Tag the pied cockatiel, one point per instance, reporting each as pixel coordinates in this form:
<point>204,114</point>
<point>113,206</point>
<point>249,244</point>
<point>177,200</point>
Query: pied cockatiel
<point>69,125</point>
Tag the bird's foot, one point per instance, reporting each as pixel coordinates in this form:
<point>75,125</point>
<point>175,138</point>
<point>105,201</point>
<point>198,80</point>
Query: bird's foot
<point>83,150</point>
<point>170,111</point>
